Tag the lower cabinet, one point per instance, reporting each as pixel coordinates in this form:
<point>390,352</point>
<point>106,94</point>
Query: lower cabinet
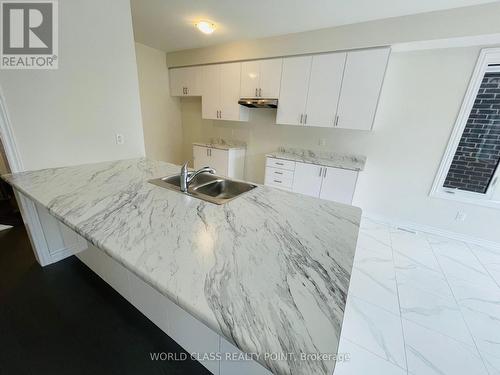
<point>307,179</point>
<point>227,163</point>
<point>195,337</point>
<point>334,184</point>
<point>338,184</point>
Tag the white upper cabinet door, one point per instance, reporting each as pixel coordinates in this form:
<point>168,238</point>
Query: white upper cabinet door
<point>324,89</point>
<point>307,179</point>
<point>193,83</point>
<point>211,88</point>
<point>338,184</point>
<point>363,78</point>
<point>178,77</point>
<point>230,93</point>
<point>250,79</point>
<point>185,81</point>
<point>270,78</point>
<point>293,90</point>
<point>219,160</point>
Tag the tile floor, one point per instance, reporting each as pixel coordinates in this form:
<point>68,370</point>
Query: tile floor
<point>421,304</point>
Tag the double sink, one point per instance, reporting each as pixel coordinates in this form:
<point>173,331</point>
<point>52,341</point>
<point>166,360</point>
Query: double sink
<point>206,186</point>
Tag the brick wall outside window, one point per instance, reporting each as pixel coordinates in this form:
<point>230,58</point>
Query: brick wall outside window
<point>478,153</point>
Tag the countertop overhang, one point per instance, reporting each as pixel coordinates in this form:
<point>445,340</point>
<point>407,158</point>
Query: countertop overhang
<point>269,271</point>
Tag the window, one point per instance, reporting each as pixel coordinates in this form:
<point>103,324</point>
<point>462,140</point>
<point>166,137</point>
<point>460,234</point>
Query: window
<point>470,169</point>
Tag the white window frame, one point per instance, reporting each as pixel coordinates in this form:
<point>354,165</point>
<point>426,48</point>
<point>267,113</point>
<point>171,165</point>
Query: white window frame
<point>491,198</point>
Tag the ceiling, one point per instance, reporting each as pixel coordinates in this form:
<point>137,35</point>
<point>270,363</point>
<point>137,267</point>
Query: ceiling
<point>168,24</point>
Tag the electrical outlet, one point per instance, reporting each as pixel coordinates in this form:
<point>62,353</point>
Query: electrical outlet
<point>322,142</point>
<point>120,139</point>
<point>461,216</point>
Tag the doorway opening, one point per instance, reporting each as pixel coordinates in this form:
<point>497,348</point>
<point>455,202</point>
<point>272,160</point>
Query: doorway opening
<point>9,210</point>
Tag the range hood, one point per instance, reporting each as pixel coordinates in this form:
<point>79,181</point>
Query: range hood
<point>258,102</point>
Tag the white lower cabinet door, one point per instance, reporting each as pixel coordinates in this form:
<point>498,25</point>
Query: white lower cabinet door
<point>149,302</point>
<point>234,362</point>
<point>219,160</point>
<point>201,157</point>
<point>307,179</point>
<point>107,269</point>
<point>338,184</point>
<point>193,336</point>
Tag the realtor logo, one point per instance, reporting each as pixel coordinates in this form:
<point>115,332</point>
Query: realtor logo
<point>29,34</point>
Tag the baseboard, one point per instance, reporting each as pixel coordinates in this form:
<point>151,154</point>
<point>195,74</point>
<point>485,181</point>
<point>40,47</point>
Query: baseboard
<point>411,226</point>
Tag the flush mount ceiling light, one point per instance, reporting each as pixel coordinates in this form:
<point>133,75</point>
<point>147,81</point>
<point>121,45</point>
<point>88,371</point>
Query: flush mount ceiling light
<point>206,27</point>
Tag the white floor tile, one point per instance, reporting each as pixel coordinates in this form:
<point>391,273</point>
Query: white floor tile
<point>490,259</point>
<point>441,314</point>
<point>373,280</point>
<point>375,329</point>
<point>482,314</point>
<point>429,353</point>
<point>458,261</point>
<point>430,281</point>
<point>492,364</point>
<point>363,362</point>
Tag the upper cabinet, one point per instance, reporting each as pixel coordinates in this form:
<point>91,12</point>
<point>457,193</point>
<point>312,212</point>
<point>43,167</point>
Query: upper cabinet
<point>363,78</point>
<point>185,81</point>
<point>293,92</point>
<point>221,92</point>
<point>332,90</point>
<point>324,89</point>
<point>261,78</point>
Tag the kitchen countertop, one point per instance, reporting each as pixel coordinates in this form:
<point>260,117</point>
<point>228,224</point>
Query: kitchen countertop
<point>222,144</point>
<point>328,159</point>
<point>269,270</point>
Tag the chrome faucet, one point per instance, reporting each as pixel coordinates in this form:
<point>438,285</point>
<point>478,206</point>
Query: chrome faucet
<point>187,177</point>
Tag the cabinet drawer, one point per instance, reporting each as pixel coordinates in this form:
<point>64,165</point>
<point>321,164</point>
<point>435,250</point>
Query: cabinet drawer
<point>279,174</point>
<point>279,178</point>
<point>280,163</point>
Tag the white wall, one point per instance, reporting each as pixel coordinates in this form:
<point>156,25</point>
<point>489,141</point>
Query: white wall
<point>70,115</point>
<point>420,100</point>
<point>453,23</point>
<point>161,113</point>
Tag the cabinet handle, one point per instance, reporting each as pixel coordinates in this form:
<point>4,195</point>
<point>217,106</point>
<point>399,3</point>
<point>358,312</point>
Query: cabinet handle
<point>220,113</point>
<point>301,118</point>
<point>260,93</point>
<point>256,94</point>
<point>278,163</point>
<point>305,119</point>
<point>336,120</point>
<point>320,171</point>
<point>187,90</point>
<point>210,152</point>
<point>278,173</point>
<point>278,181</point>
<point>324,173</point>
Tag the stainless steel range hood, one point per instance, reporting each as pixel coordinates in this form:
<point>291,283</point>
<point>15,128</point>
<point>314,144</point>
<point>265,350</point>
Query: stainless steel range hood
<point>258,102</point>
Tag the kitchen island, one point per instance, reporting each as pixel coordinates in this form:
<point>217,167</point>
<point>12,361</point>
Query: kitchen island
<point>268,271</point>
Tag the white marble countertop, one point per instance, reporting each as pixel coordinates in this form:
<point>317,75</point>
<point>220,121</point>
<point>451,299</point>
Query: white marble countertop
<point>328,159</point>
<point>222,144</point>
<point>269,270</point>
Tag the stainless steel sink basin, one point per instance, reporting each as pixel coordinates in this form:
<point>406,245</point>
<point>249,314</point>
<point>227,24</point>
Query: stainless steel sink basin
<point>208,187</point>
